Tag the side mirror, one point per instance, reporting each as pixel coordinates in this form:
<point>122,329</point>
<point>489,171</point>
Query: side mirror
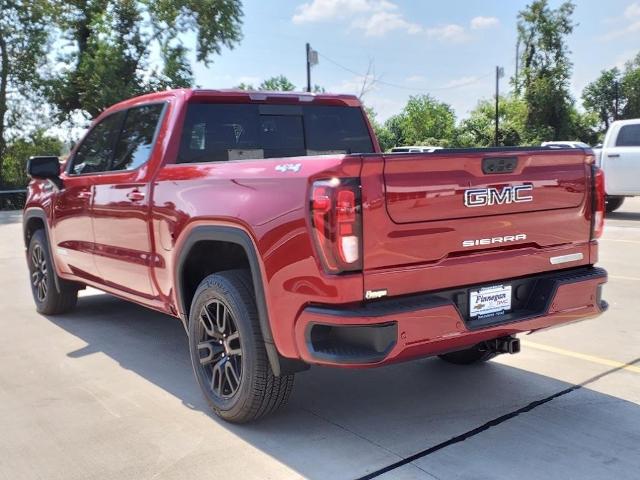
<point>45,167</point>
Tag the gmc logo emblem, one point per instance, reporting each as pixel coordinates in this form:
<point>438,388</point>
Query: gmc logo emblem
<point>480,197</point>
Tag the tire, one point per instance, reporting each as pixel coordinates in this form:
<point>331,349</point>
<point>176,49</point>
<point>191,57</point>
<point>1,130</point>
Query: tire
<point>48,299</point>
<point>613,203</point>
<point>477,354</point>
<point>227,350</point>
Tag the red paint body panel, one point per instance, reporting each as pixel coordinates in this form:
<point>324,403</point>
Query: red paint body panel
<point>414,221</point>
<point>431,331</point>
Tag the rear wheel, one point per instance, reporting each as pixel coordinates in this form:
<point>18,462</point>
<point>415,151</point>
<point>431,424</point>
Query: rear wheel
<point>613,203</point>
<point>227,350</point>
<point>477,354</point>
<point>48,298</point>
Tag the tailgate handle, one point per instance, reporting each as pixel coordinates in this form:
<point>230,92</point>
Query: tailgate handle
<point>499,164</point>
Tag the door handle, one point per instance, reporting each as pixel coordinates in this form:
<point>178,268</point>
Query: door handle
<point>84,194</point>
<point>135,196</point>
<point>613,155</point>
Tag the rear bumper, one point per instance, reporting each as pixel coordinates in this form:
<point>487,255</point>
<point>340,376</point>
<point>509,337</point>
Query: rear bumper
<point>423,325</point>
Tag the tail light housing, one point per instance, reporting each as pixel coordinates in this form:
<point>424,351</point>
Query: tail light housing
<point>599,199</point>
<point>336,221</point>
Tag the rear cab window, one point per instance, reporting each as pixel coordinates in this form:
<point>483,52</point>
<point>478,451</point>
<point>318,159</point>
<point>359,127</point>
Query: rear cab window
<point>222,132</point>
<point>629,136</point>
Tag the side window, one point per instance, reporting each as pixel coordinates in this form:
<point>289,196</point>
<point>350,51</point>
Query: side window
<point>136,138</point>
<point>629,136</point>
<point>96,150</point>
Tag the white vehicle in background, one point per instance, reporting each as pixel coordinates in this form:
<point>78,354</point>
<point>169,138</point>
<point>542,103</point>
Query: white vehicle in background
<point>415,149</point>
<point>563,144</point>
<point>619,157</point>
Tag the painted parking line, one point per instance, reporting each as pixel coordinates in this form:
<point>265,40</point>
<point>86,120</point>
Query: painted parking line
<point>582,356</point>
<point>622,277</point>
<point>619,240</point>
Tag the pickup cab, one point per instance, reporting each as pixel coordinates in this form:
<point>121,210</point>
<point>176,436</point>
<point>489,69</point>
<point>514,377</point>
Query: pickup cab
<point>273,227</point>
<point>619,158</point>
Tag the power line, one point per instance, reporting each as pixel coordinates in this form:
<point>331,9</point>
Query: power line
<point>404,87</point>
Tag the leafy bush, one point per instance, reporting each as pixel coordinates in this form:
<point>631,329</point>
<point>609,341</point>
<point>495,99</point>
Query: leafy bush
<point>14,171</point>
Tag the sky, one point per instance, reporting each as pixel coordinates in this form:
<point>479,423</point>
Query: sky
<point>448,49</point>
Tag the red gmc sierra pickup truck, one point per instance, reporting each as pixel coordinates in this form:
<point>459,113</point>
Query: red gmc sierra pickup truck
<point>281,236</point>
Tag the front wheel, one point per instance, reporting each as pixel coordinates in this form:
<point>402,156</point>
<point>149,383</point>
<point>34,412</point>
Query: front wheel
<point>227,350</point>
<point>613,203</point>
<point>50,296</point>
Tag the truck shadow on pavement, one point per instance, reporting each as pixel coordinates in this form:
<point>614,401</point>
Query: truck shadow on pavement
<point>346,424</point>
<point>623,215</point>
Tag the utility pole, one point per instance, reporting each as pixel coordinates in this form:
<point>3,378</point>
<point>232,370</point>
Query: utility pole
<point>517,66</point>
<point>308,68</point>
<point>312,59</point>
<point>617,104</point>
<point>499,75</point>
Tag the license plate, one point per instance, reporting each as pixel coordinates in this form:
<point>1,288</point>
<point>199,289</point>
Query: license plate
<point>490,301</point>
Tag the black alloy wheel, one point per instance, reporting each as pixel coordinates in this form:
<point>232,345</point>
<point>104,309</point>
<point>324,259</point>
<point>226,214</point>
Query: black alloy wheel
<point>51,294</point>
<point>228,352</point>
<point>39,273</point>
<point>219,349</point>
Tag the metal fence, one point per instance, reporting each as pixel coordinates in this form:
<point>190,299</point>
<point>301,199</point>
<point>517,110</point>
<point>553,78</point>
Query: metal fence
<point>12,199</point>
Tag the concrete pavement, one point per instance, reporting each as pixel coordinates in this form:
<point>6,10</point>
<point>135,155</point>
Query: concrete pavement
<point>107,392</point>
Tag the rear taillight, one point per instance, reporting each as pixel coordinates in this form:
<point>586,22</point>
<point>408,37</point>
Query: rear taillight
<point>597,223</point>
<point>336,220</point>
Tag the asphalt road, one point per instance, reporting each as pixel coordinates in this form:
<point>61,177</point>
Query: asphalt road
<point>107,392</point>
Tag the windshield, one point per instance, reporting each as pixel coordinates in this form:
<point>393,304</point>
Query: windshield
<point>221,132</point>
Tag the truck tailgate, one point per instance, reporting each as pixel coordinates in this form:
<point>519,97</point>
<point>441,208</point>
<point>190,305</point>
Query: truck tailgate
<point>437,220</point>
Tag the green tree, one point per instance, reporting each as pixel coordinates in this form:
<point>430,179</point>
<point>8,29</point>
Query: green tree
<point>423,121</point>
<point>384,136</point>
<point>546,68</point>
<point>109,44</point>
<point>479,129</point>
<point>23,42</point>
<point>277,84</point>
<point>631,88</point>
<point>19,150</point>
<point>585,127</point>
<point>603,97</point>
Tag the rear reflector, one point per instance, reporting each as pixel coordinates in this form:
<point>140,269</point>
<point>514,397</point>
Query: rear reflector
<point>336,219</point>
<point>597,223</point>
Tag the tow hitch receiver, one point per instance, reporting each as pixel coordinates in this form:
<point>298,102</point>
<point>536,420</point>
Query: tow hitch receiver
<point>504,345</point>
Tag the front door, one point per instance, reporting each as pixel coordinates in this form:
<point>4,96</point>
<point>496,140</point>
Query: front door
<point>72,232</point>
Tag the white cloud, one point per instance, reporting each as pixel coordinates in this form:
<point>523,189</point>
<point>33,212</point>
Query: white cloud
<point>478,23</point>
<point>324,10</point>
<point>415,79</point>
<point>451,33</point>
<point>373,17</point>
<point>631,17</point>
<point>461,82</point>
<point>383,22</point>
<point>632,10</point>
<point>621,32</point>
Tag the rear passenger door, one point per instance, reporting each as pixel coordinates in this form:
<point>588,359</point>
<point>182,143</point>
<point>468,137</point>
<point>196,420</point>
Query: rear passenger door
<point>123,253</point>
<point>622,162</point>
